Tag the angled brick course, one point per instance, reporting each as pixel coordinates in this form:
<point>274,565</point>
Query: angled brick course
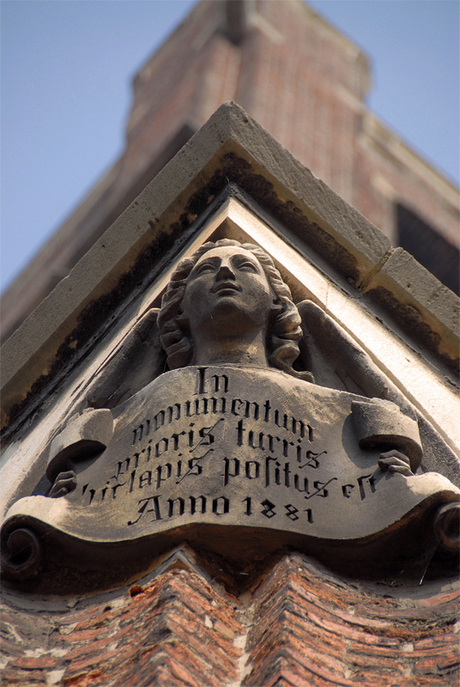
<point>318,631</point>
<point>299,626</point>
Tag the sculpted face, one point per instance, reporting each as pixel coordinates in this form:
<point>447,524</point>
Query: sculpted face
<point>227,293</point>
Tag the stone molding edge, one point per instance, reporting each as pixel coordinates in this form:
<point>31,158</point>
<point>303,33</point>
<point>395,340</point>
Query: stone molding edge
<point>29,352</point>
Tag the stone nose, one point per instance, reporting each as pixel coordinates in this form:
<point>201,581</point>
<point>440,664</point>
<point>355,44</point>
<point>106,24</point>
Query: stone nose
<point>225,272</point>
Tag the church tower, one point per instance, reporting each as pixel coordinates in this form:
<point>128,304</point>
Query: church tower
<point>304,82</point>
<point>230,440</point>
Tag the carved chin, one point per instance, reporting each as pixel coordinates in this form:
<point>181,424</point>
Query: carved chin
<point>228,316</point>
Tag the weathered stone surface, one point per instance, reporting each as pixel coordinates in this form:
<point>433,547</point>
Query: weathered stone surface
<point>414,284</point>
<point>416,298</point>
<point>232,440</point>
<point>203,450</point>
<point>381,423</point>
<point>88,435</point>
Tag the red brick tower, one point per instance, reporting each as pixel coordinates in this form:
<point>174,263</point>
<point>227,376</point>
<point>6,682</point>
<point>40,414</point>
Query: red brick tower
<point>195,614</point>
<point>192,616</point>
<point>305,83</point>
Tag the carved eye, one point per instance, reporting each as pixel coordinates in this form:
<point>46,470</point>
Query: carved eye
<point>248,267</point>
<point>205,267</point>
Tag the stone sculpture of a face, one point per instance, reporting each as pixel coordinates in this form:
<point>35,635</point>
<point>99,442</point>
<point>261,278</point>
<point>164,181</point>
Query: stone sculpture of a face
<point>229,291</point>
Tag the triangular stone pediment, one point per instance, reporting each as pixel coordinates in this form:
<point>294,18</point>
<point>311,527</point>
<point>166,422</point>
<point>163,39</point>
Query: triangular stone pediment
<point>84,364</point>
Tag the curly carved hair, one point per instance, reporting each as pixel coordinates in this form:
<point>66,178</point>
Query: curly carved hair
<point>284,331</point>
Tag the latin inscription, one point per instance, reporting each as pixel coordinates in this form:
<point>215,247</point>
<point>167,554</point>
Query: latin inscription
<point>219,453</point>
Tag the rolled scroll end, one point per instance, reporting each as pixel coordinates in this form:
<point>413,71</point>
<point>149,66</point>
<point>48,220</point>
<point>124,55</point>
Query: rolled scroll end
<point>22,554</point>
<point>447,526</point>
<point>381,424</point>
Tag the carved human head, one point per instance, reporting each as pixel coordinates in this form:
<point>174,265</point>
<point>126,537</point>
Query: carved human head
<point>283,319</point>
<point>227,305</point>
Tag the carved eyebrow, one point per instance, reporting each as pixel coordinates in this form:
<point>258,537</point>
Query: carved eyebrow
<point>241,258</point>
<point>213,259</point>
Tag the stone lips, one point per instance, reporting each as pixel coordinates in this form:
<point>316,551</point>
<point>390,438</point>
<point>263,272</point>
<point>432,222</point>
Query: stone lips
<point>236,447</point>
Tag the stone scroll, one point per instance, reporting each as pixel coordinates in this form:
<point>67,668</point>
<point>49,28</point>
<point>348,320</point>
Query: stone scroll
<point>232,449</point>
<point>227,449</point>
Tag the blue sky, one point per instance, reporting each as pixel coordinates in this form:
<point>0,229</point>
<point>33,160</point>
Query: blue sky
<point>66,75</point>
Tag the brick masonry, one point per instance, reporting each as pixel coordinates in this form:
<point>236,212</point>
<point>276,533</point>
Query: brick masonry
<point>296,625</point>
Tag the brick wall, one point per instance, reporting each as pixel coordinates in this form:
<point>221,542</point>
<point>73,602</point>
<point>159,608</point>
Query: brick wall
<point>297,625</point>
